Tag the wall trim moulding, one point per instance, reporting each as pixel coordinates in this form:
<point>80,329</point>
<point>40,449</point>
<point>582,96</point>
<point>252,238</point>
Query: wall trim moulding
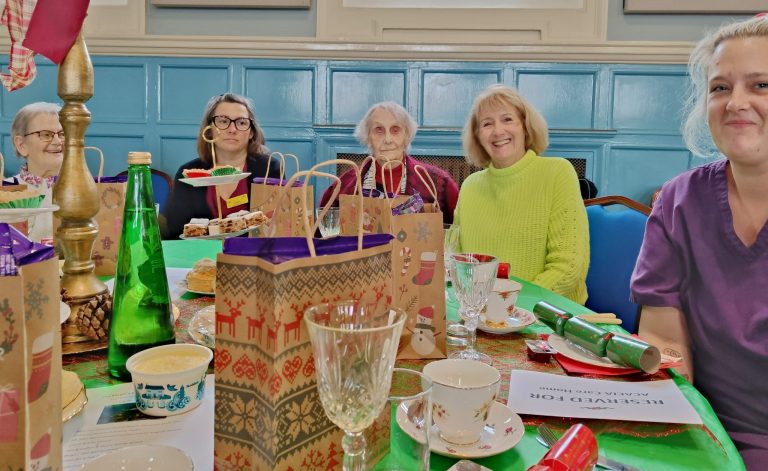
<point>715,7</point>
<point>302,4</point>
<point>221,46</point>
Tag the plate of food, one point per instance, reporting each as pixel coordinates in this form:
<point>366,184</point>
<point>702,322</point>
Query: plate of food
<point>215,176</point>
<point>201,279</point>
<point>235,224</point>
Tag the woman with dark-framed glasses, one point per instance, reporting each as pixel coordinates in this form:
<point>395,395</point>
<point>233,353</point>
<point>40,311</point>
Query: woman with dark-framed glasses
<point>239,143</point>
<point>38,140</point>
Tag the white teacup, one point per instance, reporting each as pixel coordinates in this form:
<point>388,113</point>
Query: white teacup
<point>501,301</point>
<point>462,394</point>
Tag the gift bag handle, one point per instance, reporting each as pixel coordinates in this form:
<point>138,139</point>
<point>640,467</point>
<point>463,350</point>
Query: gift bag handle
<point>358,194</point>
<point>370,158</point>
<point>282,165</point>
<point>101,161</point>
<point>391,164</point>
<point>2,168</point>
<point>426,179</point>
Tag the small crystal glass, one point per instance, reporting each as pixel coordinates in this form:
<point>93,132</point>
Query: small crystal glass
<point>473,276</point>
<point>330,222</point>
<point>355,352</point>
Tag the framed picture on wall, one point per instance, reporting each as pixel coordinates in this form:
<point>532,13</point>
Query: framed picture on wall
<point>693,7</point>
<point>233,3</point>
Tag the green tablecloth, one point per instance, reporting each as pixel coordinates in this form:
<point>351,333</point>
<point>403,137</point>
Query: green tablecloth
<point>646,446</point>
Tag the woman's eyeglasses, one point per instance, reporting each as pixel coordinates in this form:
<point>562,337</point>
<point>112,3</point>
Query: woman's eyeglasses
<point>223,122</point>
<point>46,136</point>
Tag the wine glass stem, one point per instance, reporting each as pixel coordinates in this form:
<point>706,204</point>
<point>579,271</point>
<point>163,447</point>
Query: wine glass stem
<point>353,444</point>
<point>471,324</point>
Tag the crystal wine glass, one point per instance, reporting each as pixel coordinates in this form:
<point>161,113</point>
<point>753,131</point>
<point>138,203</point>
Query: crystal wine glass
<point>456,331</point>
<point>473,276</point>
<point>355,352</point>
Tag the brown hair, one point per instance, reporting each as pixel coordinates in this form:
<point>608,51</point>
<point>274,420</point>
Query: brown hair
<point>255,143</point>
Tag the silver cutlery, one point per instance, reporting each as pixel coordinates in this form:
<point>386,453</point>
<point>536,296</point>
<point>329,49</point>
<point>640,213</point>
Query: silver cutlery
<point>548,438</point>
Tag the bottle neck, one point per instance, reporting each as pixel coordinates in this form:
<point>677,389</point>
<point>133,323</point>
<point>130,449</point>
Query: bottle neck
<point>139,194</point>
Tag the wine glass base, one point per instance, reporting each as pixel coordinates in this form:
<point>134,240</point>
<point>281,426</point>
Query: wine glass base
<point>471,355</point>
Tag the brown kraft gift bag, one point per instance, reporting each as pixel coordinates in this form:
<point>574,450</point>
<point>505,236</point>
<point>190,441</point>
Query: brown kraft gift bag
<point>109,219</point>
<point>266,191</point>
<point>418,274</point>
<point>30,355</point>
<point>268,413</point>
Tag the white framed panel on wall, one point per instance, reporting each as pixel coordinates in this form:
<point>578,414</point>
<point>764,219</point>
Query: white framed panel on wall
<point>462,21</point>
<point>115,18</point>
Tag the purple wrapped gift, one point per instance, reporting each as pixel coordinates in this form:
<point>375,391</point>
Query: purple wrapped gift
<point>412,205</point>
<point>276,182</point>
<point>16,251</point>
<point>277,250</point>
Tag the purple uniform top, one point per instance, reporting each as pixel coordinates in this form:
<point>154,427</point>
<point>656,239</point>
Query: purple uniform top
<point>692,259</point>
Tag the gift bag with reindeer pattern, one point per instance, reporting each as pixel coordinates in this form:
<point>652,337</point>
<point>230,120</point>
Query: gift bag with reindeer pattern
<point>30,355</point>
<point>268,412</point>
<point>266,191</point>
<point>418,274</point>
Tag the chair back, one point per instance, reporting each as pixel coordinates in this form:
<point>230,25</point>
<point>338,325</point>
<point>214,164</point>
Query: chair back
<point>161,186</point>
<point>615,236</point>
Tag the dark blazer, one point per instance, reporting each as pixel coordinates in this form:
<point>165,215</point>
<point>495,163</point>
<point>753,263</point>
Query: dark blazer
<point>186,201</point>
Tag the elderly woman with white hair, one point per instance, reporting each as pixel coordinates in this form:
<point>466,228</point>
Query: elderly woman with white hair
<point>388,130</point>
<point>38,139</point>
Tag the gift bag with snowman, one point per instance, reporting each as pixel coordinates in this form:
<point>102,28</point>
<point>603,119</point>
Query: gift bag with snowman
<point>418,274</point>
<point>30,355</point>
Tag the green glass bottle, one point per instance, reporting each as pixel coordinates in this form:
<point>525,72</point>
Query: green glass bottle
<point>141,309</point>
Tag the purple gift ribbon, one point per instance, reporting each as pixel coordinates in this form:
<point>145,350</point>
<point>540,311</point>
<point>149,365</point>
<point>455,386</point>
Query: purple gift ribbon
<point>277,250</point>
<point>275,182</point>
<point>16,250</point>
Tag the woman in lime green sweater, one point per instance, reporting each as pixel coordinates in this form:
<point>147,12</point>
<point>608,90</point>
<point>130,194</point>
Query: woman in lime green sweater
<point>524,209</point>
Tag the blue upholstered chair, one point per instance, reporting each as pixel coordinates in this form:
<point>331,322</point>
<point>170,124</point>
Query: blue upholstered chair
<point>161,186</point>
<point>616,228</point>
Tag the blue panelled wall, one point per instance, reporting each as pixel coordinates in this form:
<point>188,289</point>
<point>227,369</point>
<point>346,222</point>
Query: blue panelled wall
<point>623,119</point>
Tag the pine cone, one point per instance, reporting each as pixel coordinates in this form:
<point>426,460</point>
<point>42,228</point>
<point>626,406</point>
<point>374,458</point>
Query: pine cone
<point>94,316</point>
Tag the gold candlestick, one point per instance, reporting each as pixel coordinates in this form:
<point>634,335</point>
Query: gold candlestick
<point>75,191</point>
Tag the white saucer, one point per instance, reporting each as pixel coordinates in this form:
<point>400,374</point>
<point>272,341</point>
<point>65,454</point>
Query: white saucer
<point>520,319</point>
<point>183,285</point>
<point>217,180</point>
<point>141,458</point>
<point>202,327</point>
<point>16,214</point>
<point>64,311</point>
<point>503,430</point>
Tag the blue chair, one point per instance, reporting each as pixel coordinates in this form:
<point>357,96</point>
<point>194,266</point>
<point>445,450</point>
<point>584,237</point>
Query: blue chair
<point>615,236</point>
<point>161,186</point>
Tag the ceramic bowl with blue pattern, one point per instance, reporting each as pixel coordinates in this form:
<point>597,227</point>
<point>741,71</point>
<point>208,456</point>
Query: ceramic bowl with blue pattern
<point>170,379</point>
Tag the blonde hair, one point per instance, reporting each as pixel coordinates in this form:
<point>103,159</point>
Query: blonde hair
<point>495,96</point>
<point>363,128</point>
<point>695,130</point>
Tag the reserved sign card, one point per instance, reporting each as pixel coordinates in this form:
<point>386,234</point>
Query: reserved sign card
<point>547,394</point>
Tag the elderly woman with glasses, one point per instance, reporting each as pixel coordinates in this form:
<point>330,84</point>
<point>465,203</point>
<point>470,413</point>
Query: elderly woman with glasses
<point>239,143</point>
<point>388,130</point>
<point>38,139</point>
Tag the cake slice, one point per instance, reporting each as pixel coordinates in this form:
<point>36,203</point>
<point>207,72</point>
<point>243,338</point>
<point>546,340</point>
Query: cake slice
<point>202,277</point>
